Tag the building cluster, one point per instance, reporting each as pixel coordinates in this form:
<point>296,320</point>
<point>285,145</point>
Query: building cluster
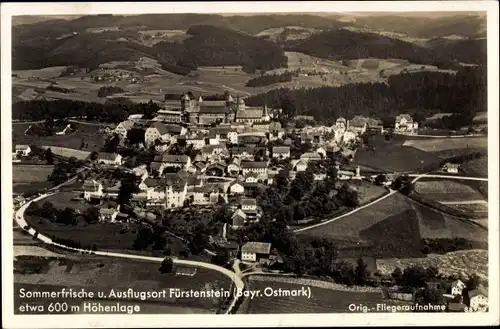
<point>476,301</point>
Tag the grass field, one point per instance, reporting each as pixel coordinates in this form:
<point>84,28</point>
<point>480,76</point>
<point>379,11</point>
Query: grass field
<point>477,167</point>
<point>30,178</point>
<point>63,199</point>
<point>442,144</point>
<point>471,207</point>
<point>367,191</point>
<point>89,134</point>
<point>321,301</point>
<point>452,263</point>
<point>103,274</point>
<point>435,225</point>
<point>446,190</point>
<point>392,156</point>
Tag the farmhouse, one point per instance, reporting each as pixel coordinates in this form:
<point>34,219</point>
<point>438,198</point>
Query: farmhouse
<point>234,166</point>
<point>451,168</point>
<point>110,159</point>
<point>281,152</point>
<point>176,193</point>
<point>236,188</point>
<point>163,132</point>
<point>215,169</point>
<point>259,168</point>
<point>248,204</point>
<point>405,125</point>
<point>255,251</point>
<point>92,189</point>
<point>358,124</point>
<point>478,299</point>
<point>179,161</point>
<point>457,287</point>
<point>23,150</point>
<point>299,165</point>
<point>19,201</point>
<point>311,156</point>
<point>122,128</point>
<point>108,214</point>
<point>341,123</point>
<point>238,219</point>
<point>197,142</point>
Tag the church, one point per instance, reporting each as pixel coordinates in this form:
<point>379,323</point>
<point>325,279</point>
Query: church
<point>200,112</point>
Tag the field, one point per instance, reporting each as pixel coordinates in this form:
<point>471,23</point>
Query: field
<point>87,132</point>
<point>446,190</point>
<point>321,301</point>
<point>470,207</point>
<point>442,144</point>
<point>393,156</point>
<point>452,263</point>
<point>63,199</point>
<point>367,191</point>
<point>435,225</point>
<point>477,167</point>
<point>30,178</point>
<point>103,274</point>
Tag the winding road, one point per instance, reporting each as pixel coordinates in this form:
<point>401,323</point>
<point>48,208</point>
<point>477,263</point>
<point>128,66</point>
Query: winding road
<point>19,218</point>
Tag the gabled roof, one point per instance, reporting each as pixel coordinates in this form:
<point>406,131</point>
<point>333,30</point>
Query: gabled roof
<point>341,119</point>
<point>281,149</point>
<point>256,247</point>
<point>250,113</point>
<point>22,147</point>
<point>407,117</point>
<point>248,202</point>
<point>91,184</point>
<point>311,155</point>
<point>127,124</point>
<point>239,213</point>
<point>253,164</point>
<point>164,129</point>
<point>155,165</point>
<point>213,109</point>
<point>170,158</point>
<point>478,292</point>
<point>242,149</point>
<point>108,156</point>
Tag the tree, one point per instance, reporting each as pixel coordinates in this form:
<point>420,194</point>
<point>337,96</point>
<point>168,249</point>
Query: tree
<point>136,136</point>
<point>91,215</point>
<point>380,179</point>
<point>111,144</point>
<point>94,156</point>
<point>67,216</point>
<point>48,156</point>
<point>361,272</point>
<point>167,265</point>
<point>128,187</point>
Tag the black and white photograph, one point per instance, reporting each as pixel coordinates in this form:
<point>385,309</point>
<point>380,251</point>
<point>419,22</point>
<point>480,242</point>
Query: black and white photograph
<point>211,159</point>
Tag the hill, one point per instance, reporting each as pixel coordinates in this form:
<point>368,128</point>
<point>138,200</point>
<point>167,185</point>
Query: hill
<point>342,44</point>
<point>207,45</point>
<point>470,51</point>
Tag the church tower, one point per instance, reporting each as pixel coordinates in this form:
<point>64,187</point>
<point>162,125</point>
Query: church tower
<point>185,103</point>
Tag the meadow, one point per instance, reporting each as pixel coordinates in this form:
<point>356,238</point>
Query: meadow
<point>30,178</point>
<point>104,273</point>
<point>446,190</point>
<point>443,144</point>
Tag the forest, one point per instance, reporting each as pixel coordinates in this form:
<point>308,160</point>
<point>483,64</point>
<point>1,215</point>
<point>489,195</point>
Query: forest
<point>425,93</point>
<point>269,79</point>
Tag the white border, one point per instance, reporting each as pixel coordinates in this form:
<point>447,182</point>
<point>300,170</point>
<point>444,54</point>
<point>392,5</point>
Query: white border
<point>412,319</point>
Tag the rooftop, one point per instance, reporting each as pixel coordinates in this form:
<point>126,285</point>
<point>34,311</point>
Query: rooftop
<point>248,202</point>
<point>257,247</point>
<point>108,156</point>
<point>170,158</point>
<point>281,149</point>
<point>251,164</point>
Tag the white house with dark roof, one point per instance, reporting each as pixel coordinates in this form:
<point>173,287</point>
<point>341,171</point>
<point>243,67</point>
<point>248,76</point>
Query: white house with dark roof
<point>113,159</point>
<point>22,150</point>
<point>341,123</point>
<point>258,168</point>
<point>248,204</point>
<point>478,299</point>
<point>108,214</point>
<point>451,168</point>
<point>238,219</point>
<point>281,152</point>
<point>405,124</point>
<point>457,287</point>
<point>179,161</point>
<point>164,132</point>
<point>236,187</point>
<point>311,156</point>
<point>92,189</point>
<point>255,251</point>
<point>176,193</point>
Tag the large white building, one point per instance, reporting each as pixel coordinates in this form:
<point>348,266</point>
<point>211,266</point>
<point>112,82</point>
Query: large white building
<point>405,125</point>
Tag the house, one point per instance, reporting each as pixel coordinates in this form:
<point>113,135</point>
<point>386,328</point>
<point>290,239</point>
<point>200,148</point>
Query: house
<point>19,201</point>
<point>478,299</point>
<point>197,142</point>
<point>215,169</point>
<point>405,124</point>
<point>141,172</point>
<point>122,128</point>
<point>349,136</point>
<point>176,193</point>
<point>299,165</point>
<point>178,161</point>
<point>311,156</point>
<point>251,178</point>
<point>451,168</point>
<point>281,152</point>
<point>259,168</point>
<point>358,124</point>
<point>243,152</point>
<point>341,123</point>
<point>457,287</point>
<point>108,214</point>
<point>238,219</point>
<point>210,150</point>
<point>169,115</point>
<point>164,132</point>
<point>110,159</point>
<point>255,251</point>
<point>23,150</point>
<point>248,204</point>
<point>234,167</point>
<point>92,189</point>
<point>236,188</point>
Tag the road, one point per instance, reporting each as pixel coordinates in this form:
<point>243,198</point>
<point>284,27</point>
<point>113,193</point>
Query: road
<point>19,218</point>
<point>418,176</point>
<point>465,202</point>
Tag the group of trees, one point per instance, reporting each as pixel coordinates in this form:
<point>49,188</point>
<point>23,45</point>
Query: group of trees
<point>269,79</point>
<point>67,216</point>
<point>63,170</point>
<point>113,111</point>
<point>47,128</point>
<point>109,90</point>
<point>426,93</point>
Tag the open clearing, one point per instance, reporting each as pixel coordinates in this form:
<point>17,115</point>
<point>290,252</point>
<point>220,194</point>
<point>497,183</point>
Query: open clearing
<point>63,199</point>
<point>446,190</point>
<point>321,301</point>
<point>464,261</point>
<point>367,191</point>
<point>103,274</point>
<point>478,167</point>
<point>30,178</point>
<point>435,225</point>
<point>442,144</point>
<point>392,157</point>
